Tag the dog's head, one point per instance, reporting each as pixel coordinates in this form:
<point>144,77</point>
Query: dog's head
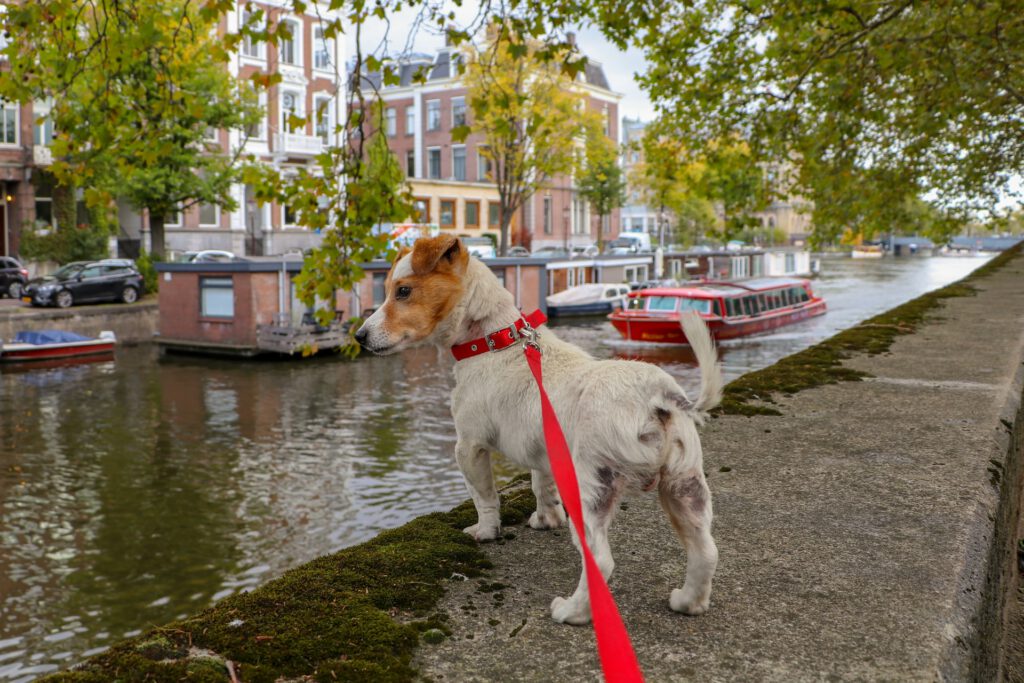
<point>422,289</point>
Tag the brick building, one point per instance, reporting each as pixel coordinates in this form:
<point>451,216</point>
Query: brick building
<point>449,179</point>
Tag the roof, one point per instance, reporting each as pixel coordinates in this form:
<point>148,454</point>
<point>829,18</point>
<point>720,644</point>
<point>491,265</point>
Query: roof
<point>716,289</point>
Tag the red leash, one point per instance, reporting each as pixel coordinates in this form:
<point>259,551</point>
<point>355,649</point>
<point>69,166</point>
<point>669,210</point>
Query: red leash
<point>618,661</point>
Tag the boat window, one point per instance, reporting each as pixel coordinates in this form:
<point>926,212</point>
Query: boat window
<point>804,296</point>
<point>730,307</point>
<point>699,305</point>
<point>750,305</point>
<point>610,293</point>
<point>623,291</point>
<point>635,304</point>
<point>662,303</point>
<point>716,307</point>
<point>785,297</point>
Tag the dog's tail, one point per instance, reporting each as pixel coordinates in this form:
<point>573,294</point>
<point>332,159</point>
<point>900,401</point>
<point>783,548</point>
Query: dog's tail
<point>699,337</point>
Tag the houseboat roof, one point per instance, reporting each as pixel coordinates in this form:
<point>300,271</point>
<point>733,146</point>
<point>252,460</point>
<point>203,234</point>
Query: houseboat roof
<point>707,290</point>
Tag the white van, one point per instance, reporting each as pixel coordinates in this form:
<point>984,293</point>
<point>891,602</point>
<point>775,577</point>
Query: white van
<point>481,247</point>
<point>630,243</point>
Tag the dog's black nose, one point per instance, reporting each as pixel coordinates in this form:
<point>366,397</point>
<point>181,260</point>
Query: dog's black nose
<point>361,335</point>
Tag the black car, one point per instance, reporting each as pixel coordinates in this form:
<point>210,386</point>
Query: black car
<point>13,277</point>
<point>86,282</point>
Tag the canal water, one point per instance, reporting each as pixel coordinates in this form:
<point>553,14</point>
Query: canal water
<point>140,490</point>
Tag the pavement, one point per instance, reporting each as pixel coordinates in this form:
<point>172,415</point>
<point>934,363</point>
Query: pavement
<point>866,534</point>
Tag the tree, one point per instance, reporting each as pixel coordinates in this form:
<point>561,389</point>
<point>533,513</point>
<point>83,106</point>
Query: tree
<point>600,180</point>
<point>873,101</point>
<point>668,178</point>
<point>734,182</point>
<point>137,86</point>
<point>528,114</point>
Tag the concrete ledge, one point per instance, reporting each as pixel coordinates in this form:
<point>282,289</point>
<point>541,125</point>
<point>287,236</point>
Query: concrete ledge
<point>867,532</point>
<point>132,323</point>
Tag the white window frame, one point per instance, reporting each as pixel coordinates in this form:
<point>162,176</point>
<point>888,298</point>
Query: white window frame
<point>410,120</point>
<point>429,119</point>
<point>260,132</point>
<point>454,174</point>
<point>226,305</point>
<point>430,171</point>
<point>247,43</point>
<point>4,106</point>
<point>300,101</point>
<point>482,163</point>
<point>410,155</point>
<point>328,111</point>
<point>298,26</point>
<point>284,219</point>
<point>41,110</point>
<point>328,49</point>
<point>216,214</point>
<point>465,111</point>
<point>174,220</point>
<point>391,122</point>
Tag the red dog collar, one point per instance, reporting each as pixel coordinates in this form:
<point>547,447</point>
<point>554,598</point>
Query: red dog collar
<point>502,339</point>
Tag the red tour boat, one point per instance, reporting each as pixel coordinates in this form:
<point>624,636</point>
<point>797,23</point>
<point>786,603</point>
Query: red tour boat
<point>730,309</point>
<point>51,344</point>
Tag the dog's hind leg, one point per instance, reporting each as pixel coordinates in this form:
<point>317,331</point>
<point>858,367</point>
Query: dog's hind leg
<point>549,513</point>
<point>687,501</point>
<point>475,463</point>
<point>598,512</point>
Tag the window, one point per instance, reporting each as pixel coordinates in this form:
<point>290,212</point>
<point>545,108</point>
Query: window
<point>472,214</point>
<point>379,292</point>
<point>323,119</point>
<point>391,122</point>
<point>43,183</point>
<point>433,114</point>
<point>216,297</point>
<point>291,217</point>
<point>257,131</point>
<point>635,273</point>
<point>209,214</point>
<point>458,111</point>
<point>500,274</point>
<point>410,163</point>
<point>8,123</point>
<point>421,209</point>
<point>434,159</point>
<point>173,218</point>
<point>547,215</point>
<point>606,224</point>
<point>484,167</point>
<point>459,163</point>
<point>662,303</point>
<point>252,48</point>
<point>289,107</point>
<point>493,214</point>
<point>323,48</point>
<point>699,305</point>
<point>42,131</point>
<point>447,213</point>
<point>288,48</point>
<point>410,120</point>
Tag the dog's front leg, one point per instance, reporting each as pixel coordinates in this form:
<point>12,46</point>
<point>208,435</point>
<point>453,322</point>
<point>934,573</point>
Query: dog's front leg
<point>549,513</point>
<point>475,463</point>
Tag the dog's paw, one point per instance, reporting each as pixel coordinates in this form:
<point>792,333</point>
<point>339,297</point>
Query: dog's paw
<point>486,533</point>
<point>681,601</point>
<point>570,612</point>
<point>549,519</point>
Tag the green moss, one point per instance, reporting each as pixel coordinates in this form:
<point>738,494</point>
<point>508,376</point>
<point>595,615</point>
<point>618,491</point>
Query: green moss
<point>330,619</point>
<point>755,392</point>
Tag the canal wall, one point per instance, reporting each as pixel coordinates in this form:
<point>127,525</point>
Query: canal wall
<point>131,323</point>
<point>866,495</point>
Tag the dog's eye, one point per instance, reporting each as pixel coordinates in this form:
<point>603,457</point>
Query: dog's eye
<point>403,292</point>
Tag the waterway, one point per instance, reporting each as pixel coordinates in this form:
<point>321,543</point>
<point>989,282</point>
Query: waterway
<point>143,489</point>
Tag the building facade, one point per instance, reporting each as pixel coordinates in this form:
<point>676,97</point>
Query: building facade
<point>449,179</point>
<point>635,215</point>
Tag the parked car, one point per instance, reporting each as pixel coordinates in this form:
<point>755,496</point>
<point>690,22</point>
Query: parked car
<point>208,256</point>
<point>13,277</point>
<point>550,252</point>
<point>585,251</point>
<point>518,250</point>
<point>86,282</point>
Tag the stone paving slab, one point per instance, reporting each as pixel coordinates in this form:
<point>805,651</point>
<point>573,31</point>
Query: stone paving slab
<point>857,532</point>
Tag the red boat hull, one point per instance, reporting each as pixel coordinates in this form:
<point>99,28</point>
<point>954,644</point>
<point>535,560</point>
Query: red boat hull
<point>29,352</point>
<point>665,329</point>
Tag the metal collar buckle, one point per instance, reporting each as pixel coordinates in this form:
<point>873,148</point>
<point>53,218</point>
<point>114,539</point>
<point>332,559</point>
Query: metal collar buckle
<point>530,335</point>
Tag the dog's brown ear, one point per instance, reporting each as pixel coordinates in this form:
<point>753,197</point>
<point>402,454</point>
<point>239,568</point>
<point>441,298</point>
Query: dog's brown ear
<point>401,253</point>
<point>444,253</point>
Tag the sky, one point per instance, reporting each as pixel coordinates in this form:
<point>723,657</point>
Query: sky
<point>619,66</point>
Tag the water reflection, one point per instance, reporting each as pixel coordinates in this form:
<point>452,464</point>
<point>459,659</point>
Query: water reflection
<point>136,491</point>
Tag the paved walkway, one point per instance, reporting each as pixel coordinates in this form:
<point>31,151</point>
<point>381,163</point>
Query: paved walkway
<point>856,532</point>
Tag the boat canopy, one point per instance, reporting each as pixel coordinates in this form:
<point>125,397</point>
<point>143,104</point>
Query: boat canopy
<point>577,294</point>
<point>49,337</point>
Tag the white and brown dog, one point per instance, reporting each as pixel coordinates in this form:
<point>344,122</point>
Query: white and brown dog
<point>628,424</point>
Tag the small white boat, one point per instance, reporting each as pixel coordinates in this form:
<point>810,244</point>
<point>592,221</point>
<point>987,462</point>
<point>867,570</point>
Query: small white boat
<point>52,344</point>
<point>592,299</point>
<point>867,251</point>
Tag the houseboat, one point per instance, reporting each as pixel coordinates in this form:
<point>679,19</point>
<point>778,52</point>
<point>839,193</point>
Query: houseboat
<point>730,309</point>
